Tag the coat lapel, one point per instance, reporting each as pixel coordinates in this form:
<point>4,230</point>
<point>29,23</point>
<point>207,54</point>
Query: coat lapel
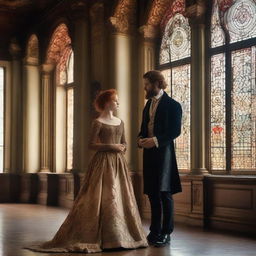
<point>146,117</point>
<point>161,106</point>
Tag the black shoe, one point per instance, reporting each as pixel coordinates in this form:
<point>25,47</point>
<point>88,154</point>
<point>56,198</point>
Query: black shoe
<point>152,238</point>
<point>163,240</point>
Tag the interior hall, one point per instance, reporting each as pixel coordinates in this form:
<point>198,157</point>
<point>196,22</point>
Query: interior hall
<point>55,58</point>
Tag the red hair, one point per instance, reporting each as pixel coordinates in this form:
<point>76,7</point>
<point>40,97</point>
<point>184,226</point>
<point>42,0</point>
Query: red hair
<point>103,98</point>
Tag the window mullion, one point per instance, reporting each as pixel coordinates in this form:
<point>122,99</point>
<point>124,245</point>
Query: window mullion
<point>228,110</point>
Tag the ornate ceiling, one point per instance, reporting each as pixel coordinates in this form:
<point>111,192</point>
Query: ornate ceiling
<point>15,15</point>
<point>19,5</point>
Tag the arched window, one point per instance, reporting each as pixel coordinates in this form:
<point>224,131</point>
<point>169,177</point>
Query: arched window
<point>61,54</point>
<point>65,78</point>
<point>233,90</point>
<point>174,62</point>
<point>1,119</point>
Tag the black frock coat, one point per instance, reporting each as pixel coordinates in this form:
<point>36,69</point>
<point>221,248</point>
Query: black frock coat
<point>160,172</point>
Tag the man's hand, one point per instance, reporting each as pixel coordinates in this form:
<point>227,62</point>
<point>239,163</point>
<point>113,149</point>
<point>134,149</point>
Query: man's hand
<point>139,142</point>
<point>147,143</point>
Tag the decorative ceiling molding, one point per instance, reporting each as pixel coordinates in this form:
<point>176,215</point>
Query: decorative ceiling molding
<point>97,20</point>
<point>155,14</point>
<point>79,8</point>
<point>157,11</point>
<point>124,18</point>
<point>14,4</point>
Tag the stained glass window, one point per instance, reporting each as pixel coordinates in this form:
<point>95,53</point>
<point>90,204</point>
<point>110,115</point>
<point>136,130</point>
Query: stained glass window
<point>240,20</point>
<point>176,40</point>
<point>243,123</point>
<point>217,34</point>
<point>233,89</point>
<point>178,80</point>
<point>1,118</point>
<point>175,47</point>
<point>181,93</point>
<point>218,117</point>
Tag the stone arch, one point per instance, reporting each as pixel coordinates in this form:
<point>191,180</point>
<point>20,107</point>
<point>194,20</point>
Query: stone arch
<point>155,12</point>
<point>59,49</point>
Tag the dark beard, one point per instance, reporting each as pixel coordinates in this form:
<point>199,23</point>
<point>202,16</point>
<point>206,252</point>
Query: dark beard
<point>150,94</point>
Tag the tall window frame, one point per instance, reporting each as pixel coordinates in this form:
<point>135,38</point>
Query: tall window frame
<point>229,49</point>
<point>175,63</point>
<point>2,115</point>
<point>65,79</point>
<point>70,87</point>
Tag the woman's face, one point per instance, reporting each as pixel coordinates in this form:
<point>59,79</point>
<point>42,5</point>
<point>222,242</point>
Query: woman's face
<point>113,105</point>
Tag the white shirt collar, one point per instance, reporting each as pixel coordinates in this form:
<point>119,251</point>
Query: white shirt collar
<point>159,95</point>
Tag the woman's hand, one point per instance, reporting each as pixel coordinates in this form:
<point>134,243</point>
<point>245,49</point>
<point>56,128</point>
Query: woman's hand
<point>119,147</point>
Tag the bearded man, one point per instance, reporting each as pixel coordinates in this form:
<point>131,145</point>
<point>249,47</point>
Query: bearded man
<point>161,124</point>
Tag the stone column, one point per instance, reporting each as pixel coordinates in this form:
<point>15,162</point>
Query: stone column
<point>31,117</point>
<point>147,62</point>
<point>46,118</point>
<point>123,69</point>
<point>196,14</point>
<point>98,41</point>
<point>82,117</point>
<point>16,109</point>
<point>121,79</point>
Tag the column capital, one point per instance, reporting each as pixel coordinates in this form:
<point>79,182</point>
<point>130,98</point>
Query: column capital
<point>15,49</point>
<point>47,68</point>
<point>196,12</point>
<point>79,9</point>
<point>149,31</point>
<point>30,61</point>
<point>124,19</point>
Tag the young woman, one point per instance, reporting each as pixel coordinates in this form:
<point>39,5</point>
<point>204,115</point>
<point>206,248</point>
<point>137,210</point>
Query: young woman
<point>105,213</point>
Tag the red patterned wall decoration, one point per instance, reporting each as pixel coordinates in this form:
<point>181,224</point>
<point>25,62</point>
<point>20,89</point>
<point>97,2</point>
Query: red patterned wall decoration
<point>157,11</point>
<point>124,17</point>
<point>177,6</point>
<point>59,51</point>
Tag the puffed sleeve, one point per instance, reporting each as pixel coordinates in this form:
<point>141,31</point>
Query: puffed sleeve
<point>123,139</point>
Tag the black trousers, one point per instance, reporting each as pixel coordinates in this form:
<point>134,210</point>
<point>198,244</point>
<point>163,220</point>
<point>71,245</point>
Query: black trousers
<point>161,212</point>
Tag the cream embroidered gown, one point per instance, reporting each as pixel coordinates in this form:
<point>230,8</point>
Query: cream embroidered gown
<point>105,213</point>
